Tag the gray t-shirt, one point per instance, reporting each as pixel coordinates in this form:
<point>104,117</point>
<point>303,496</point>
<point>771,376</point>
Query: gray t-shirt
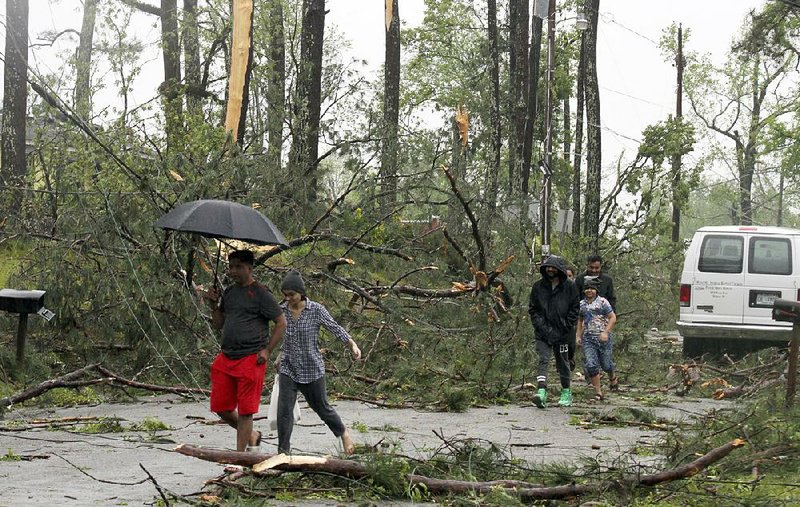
<point>248,310</point>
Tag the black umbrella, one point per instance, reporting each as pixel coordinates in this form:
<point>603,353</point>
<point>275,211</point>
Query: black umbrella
<point>214,218</point>
<point>222,219</point>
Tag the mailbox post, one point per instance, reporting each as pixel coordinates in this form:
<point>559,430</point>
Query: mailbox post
<point>22,302</point>
<point>785,310</point>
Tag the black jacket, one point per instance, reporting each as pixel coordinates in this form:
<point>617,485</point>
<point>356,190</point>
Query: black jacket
<point>554,312</point>
<point>606,287</point>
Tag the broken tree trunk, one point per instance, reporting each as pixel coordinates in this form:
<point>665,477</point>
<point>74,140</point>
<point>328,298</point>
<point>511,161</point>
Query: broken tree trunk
<point>241,66</point>
<point>334,466</point>
<point>524,491</point>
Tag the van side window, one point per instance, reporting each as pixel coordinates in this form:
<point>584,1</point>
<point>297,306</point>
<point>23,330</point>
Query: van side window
<point>721,254</point>
<point>770,256</point>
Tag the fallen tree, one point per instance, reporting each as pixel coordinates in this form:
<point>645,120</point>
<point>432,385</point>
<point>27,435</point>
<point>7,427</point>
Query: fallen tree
<point>98,375</point>
<point>261,462</point>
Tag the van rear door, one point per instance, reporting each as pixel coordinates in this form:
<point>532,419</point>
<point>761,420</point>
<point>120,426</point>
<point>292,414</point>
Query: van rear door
<point>718,293</point>
<point>767,276</point>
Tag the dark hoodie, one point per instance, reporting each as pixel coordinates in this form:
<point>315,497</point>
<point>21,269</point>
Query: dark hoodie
<point>554,311</point>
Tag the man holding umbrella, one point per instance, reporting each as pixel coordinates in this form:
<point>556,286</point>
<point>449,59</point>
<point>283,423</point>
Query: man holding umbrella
<point>237,375</point>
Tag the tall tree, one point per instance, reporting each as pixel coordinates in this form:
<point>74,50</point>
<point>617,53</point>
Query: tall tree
<point>391,106</point>
<point>532,90</point>
<point>593,133</point>
<point>191,58</point>
<point>83,62</point>
<point>750,94</point>
<point>676,159</point>
<point>579,110</point>
<point>15,100</point>
<point>308,96</point>
<point>497,139</point>
<point>276,84</point>
<point>170,88</point>
<point>518,81</point>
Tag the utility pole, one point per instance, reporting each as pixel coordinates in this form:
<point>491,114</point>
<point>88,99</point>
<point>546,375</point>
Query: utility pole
<point>676,159</point>
<point>548,125</point>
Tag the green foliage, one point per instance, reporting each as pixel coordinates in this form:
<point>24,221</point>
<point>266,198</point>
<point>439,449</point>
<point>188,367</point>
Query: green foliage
<point>104,425</point>
<point>10,456</point>
<point>68,397</point>
<point>456,399</point>
<point>387,474</point>
<point>359,426</point>
<point>150,425</point>
<point>11,255</point>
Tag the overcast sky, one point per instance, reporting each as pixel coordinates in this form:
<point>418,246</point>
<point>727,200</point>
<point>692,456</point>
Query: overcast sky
<point>637,86</point>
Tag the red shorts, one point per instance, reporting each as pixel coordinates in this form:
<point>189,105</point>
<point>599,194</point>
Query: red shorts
<point>236,383</point>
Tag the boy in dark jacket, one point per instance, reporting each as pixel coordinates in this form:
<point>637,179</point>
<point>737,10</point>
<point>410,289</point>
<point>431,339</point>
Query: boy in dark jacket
<point>554,306</point>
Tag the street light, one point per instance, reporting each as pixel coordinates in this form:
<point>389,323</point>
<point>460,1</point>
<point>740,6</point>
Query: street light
<point>581,23</point>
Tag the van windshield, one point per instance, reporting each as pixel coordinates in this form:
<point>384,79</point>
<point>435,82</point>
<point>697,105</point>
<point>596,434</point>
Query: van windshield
<point>721,254</point>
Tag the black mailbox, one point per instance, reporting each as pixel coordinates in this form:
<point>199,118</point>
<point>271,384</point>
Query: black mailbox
<point>21,301</point>
<point>785,310</point>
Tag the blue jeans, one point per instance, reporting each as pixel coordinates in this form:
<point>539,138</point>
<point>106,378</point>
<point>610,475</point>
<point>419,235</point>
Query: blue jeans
<point>597,355</point>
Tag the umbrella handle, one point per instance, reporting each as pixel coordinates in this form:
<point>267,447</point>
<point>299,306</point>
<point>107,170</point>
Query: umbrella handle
<point>216,266</point>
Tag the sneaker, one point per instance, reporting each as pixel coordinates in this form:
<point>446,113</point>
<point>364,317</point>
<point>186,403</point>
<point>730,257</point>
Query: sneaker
<point>540,398</point>
<point>566,397</point>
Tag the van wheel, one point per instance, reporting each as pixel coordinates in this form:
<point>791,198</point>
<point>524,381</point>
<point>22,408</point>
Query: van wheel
<point>696,347</point>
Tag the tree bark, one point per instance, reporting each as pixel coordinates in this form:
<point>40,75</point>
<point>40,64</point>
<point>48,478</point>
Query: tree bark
<point>15,100</point>
<point>748,165</point>
<point>391,108</point>
<point>83,62</point>
<point>518,79</point>
<point>497,140</point>
<point>191,59</point>
<point>276,85</point>
<point>532,105</point>
<point>593,147</point>
<point>308,96</point>
<point>576,164</point>
<point>170,88</point>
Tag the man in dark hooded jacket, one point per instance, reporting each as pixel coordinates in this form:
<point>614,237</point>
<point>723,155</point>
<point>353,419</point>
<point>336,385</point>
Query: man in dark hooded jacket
<point>554,307</point>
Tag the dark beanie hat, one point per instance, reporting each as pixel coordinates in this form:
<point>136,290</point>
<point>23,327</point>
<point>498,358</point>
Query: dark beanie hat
<point>294,282</point>
<point>591,283</point>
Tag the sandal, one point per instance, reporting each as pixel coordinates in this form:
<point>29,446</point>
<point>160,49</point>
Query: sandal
<point>599,397</point>
<point>614,384</point>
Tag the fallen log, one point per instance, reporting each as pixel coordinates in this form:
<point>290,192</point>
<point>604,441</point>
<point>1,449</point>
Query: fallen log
<point>45,386</point>
<point>71,380</point>
<point>524,491</point>
<point>152,387</point>
<point>343,467</point>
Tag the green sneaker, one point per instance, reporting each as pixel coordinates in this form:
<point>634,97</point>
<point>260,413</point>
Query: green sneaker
<point>540,398</point>
<point>566,397</point>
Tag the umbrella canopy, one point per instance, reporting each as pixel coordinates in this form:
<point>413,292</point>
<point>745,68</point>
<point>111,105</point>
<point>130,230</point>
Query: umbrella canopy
<point>222,219</point>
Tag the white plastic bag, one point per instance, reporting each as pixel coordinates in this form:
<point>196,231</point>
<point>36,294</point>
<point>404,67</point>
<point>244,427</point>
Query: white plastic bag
<point>272,410</point>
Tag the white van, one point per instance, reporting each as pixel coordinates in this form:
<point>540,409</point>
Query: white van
<point>731,277</point>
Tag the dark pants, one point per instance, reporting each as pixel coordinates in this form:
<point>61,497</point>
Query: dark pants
<point>314,394</point>
<point>561,351</point>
